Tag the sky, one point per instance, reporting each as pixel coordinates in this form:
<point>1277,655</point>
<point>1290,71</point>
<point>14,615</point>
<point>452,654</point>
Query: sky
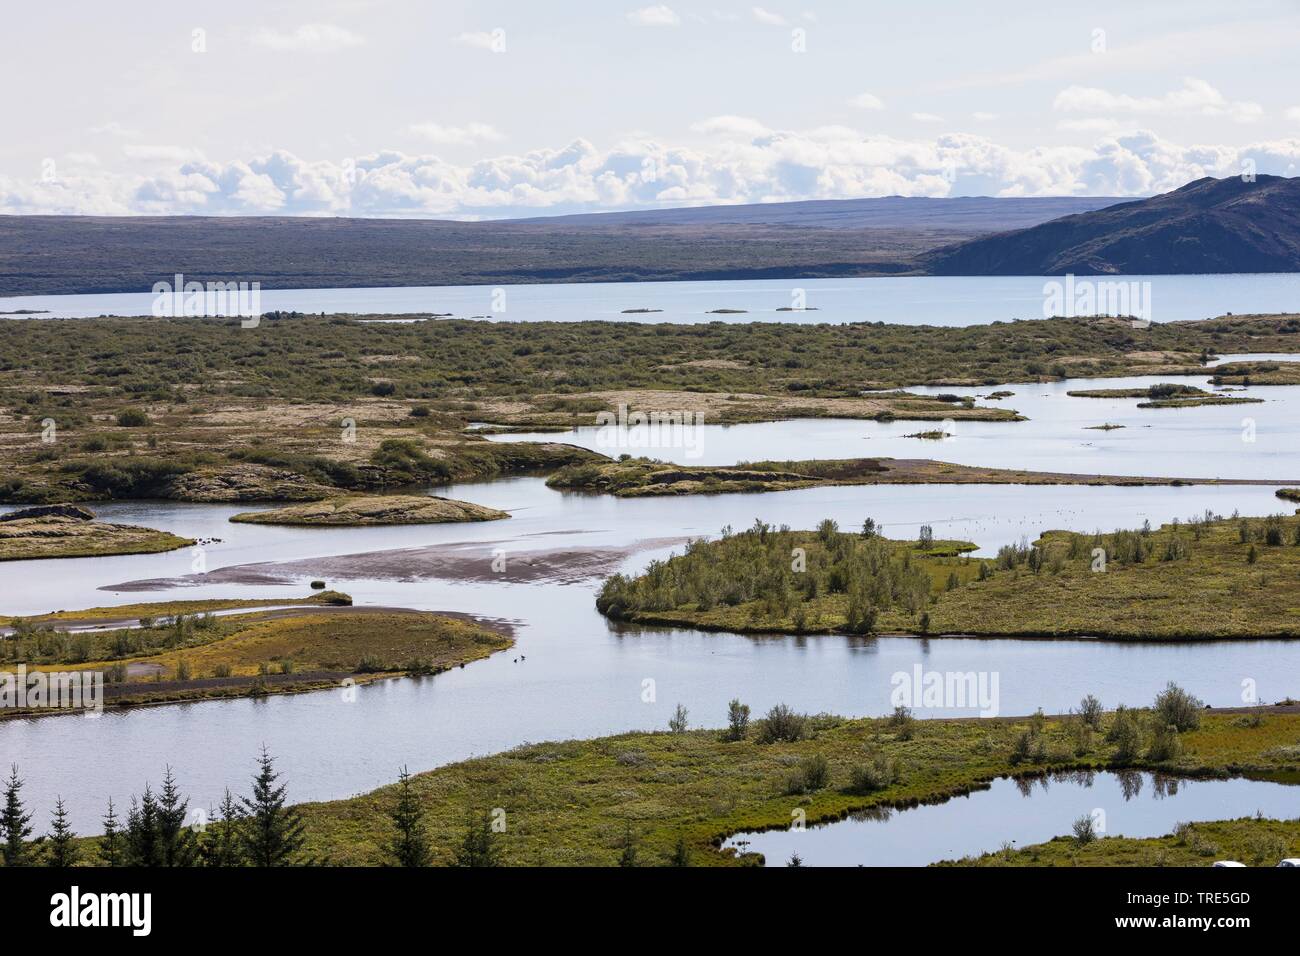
<point>480,110</point>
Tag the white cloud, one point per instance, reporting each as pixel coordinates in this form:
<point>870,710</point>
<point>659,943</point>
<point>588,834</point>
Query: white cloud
<point>768,17</point>
<point>1293,114</point>
<point>1092,124</point>
<point>150,153</point>
<point>111,128</point>
<point>309,38</point>
<point>927,118</point>
<point>756,165</point>
<point>481,40</point>
<point>743,126</point>
<point>456,135</point>
<point>1194,98</point>
<point>983,117</point>
<point>867,101</point>
<point>659,15</point>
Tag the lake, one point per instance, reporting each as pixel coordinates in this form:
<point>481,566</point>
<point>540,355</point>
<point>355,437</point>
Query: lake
<point>1021,813</point>
<point>911,300</point>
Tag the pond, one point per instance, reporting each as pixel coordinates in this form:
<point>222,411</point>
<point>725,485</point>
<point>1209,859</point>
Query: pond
<point>1249,441</point>
<point>1021,812</point>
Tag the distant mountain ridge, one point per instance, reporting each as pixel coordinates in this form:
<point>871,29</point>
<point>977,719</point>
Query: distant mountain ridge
<point>1208,226</point>
<point>975,214</point>
<point>854,237</point>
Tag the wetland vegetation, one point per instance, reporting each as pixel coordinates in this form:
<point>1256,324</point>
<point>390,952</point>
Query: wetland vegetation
<point>670,798</point>
<point>303,407</point>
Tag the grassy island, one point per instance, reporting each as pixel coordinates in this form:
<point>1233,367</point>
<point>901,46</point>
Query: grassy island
<point>1165,395</point>
<point>1206,578</point>
<point>167,656</point>
<point>647,477</point>
<point>373,510</point>
<point>75,533</point>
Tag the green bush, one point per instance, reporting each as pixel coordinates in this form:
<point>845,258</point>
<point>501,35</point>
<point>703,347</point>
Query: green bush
<point>902,723</point>
<point>1165,742</point>
<point>1175,707</point>
<point>132,418</point>
<point>812,774</point>
<point>1125,734</point>
<point>1090,712</point>
<point>783,725</point>
<point>876,774</point>
<point>737,720</point>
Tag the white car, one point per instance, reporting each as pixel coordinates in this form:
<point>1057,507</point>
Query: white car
<point>1292,861</point>
<point>1228,863</point>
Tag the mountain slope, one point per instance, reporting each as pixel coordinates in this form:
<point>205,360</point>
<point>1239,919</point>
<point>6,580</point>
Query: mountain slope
<point>1207,226</point>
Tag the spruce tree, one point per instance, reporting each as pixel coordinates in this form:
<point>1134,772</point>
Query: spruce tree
<point>410,846</point>
<point>479,848</point>
<point>15,823</point>
<point>142,831</point>
<point>111,849</point>
<point>63,851</point>
<point>225,843</point>
<point>273,833</point>
<point>176,842</point>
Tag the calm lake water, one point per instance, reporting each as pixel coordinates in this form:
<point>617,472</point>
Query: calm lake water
<point>917,300</point>
<point>1213,441</point>
<point>1021,813</point>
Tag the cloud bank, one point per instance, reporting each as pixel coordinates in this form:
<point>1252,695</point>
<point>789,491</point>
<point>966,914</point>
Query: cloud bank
<point>741,161</point>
